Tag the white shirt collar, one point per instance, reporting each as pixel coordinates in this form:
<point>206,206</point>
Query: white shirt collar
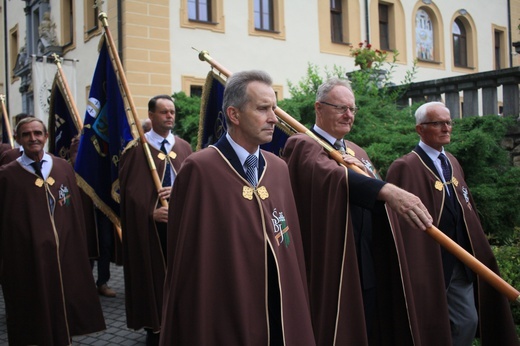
<point>325,135</point>
<point>155,140</point>
<point>240,151</point>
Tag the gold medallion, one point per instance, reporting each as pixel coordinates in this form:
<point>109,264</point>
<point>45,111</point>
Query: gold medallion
<point>247,192</point>
<point>50,181</point>
<point>438,185</point>
<point>172,155</point>
<point>39,182</point>
<point>262,192</point>
<point>161,156</point>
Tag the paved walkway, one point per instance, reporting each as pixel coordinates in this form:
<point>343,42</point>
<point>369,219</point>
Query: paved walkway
<point>115,319</point>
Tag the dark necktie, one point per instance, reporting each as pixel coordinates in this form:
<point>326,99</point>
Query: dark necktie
<point>340,146</point>
<point>446,169</point>
<point>446,172</point>
<point>37,168</point>
<point>167,180</point>
<point>251,164</point>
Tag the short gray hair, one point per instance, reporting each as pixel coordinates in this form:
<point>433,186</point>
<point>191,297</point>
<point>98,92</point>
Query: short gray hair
<point>421,113</point>
<point>326,87</point>
<point>27,121</point>
<point>235,93</point>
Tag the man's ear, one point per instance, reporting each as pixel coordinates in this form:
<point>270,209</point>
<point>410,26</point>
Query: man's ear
<point>233,115</point>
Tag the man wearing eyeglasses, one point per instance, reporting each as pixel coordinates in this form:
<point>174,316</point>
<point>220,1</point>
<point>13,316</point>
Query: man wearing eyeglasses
<point>337,208</point>
<point>445,290</point>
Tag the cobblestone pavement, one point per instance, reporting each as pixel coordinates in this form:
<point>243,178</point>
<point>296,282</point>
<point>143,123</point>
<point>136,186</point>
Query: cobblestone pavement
<point>114,311</point>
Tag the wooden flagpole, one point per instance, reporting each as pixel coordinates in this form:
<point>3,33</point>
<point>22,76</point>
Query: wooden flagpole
<point>6,121</point>
<point>126,90</point>
<point>286,118</point>
<point>474,264</point>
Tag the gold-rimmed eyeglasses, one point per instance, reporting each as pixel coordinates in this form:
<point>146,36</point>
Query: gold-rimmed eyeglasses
<point>341,109</point>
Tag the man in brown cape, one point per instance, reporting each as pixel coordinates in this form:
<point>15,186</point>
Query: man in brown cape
<point>143,219</point>
<point>236,273</point>
<point>47,282</point>
<point>356,282</point>
<point>451,302</point>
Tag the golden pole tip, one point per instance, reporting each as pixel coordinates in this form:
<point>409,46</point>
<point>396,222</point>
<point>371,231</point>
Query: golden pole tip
<point>204,55</point>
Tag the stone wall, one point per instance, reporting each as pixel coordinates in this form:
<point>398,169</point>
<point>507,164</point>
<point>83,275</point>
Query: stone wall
<point>511,142</point>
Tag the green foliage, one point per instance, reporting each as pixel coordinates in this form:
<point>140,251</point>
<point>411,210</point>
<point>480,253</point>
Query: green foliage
<point>187,117</point>
<point>508,258</point>
<point>493,181</point>
<point>303,94</point>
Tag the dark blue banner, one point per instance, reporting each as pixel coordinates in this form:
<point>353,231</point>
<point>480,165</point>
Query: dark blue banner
<point>213,122</point>
<point>106,132</point>
<point>62,126</point>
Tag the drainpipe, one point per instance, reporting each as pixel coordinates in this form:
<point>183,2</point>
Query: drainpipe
<point>509,33</point>
<point>6,55</point>
<point>367,22</point>
<point>120,29</point>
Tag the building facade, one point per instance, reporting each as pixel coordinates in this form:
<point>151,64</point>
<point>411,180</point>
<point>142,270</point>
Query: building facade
<point>158,40</point>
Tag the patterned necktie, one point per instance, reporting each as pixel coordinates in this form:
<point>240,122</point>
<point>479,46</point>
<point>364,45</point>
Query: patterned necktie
<point>340,146</point>
<point>446,169</point>
<point>37,168</point>
<point>167,180</point>
<point>251,165</point>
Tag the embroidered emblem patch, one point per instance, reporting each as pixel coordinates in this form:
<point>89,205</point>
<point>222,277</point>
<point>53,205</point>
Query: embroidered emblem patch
<point>465,192</point>
<point>64,196</point>
<point>280,228</point>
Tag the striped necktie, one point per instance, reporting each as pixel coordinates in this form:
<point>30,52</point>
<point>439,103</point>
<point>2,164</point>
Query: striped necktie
<point>251,164</point>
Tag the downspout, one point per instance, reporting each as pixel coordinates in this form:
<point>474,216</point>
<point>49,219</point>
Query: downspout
<point>120,30</point>
<point>6,55</point>
<point>367,22</point>
<point>509,37</point>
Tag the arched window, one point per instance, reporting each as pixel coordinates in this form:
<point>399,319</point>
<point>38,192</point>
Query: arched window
<point>460,45</point>
<point>424,39</point>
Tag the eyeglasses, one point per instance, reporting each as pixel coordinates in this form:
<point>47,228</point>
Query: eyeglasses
<point>439,124</point>
<point>341,109</point>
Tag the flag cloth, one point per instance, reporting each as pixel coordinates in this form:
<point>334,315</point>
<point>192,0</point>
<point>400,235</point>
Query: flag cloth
<point>106,132</point>
<point>212,123</point>
<point>62,125</point>
<point>43,70</point>
<point>5,135</point>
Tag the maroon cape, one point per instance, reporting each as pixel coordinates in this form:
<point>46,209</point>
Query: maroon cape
<point>423,254</point>
<point>222,235</point>
<point>321,188</point>
<point>4,147</point>
<point>48,286</point>
<point>143,260</point>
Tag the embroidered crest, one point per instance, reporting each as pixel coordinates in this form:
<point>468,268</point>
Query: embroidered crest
<point>280,228</point>
<point>64,196</point>
<point>465,192</point>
